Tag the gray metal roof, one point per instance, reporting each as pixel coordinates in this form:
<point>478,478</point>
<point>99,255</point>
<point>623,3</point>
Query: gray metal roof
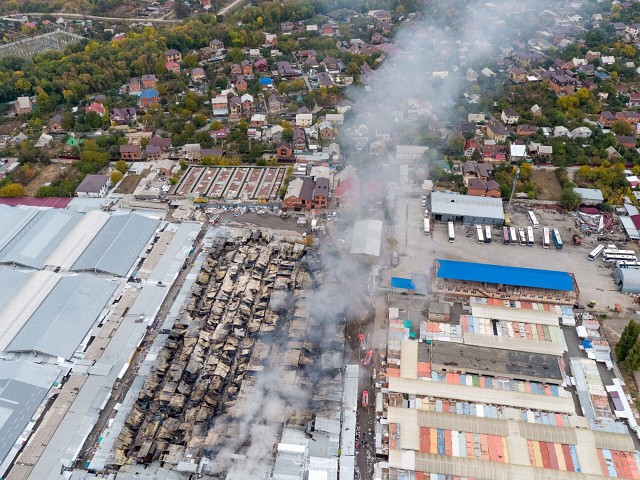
<point>466,205</point>
<point>63,319</point>
<point>23,386</point>
<point>367,237</point>
<point>13,219</point>
<point>117,245</point>
<point>33,243</point>
<point>11,281</point>
<point>628,279</point>
<point>590,194</point>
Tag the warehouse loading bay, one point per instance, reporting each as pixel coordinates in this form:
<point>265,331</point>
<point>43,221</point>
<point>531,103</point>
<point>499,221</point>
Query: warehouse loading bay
<point>594,278</point>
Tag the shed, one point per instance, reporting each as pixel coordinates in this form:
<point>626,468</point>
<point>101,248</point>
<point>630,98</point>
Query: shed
<point>367,237</point>
<point>439,311</point>
<point>590,196</point>
<point>466,209</point>
<point>402,284</point>
<point>627,279</point>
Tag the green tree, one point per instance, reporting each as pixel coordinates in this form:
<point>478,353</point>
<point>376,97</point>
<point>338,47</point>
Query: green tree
<point>455,145</point>
<point>620,127</point>
<point>353,69</point>
<point>628,339</point>
<point>570,199</point>
<point>632,362</point>
<point>12,190</point>
<point>116,176</point>
<point>122,166</point>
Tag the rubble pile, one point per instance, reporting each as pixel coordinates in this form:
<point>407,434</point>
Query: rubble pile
<point>245,290</point>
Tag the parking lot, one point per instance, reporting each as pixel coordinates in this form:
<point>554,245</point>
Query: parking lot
<point>419,251</point>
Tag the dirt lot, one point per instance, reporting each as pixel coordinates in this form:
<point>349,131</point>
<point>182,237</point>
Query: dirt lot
<point>547,185</point>
<point>47,175</point>
<point>130,182</point>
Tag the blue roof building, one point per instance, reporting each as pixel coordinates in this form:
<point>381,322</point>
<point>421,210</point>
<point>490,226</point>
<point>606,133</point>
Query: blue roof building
<point>402,283</point>
<point>505,275</point>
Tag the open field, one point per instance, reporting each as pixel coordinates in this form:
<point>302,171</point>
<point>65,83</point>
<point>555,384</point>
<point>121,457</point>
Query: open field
<point>547,185</point>
<point>130,182</point>
<point>594,279</point>
<point>47,175</point>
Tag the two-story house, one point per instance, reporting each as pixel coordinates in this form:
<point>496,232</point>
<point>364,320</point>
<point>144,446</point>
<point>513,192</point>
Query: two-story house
<point>509,116</point>
<point>173,55</point>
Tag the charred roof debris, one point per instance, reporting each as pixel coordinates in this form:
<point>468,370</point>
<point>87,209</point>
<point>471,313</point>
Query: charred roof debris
<point>250,353</point>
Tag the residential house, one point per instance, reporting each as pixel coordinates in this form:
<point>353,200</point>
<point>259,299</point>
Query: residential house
<point>248,105</point>
<point>284,153</point>
<point>517,75</point>
<point>299,140</point>
<point>216,45</point>
<point>607,60</point>
<point>321,193</point>
<point>123,116</point>
<point>326,130</point>
<point>261,65</point>
<point>509,116</point>
<point>327,29</point>
<point>634,100</point>
<point>148,98</point>
<point>304,119</point>
<point>606,119</point>
<point>198,74</point>
<point>380,15</point>
<point>220,105</point>
<point>241,84</point>
<point>172,67</point>
<point>235,107</point>
<point>497,131</point>
<point>162,142</point>
<point>247,68</point>
<point>153,152</point>
<point>270,40</point>
<point>134,87</point>
<point>324,79</point>
<point>95,186</point>
<point>149,81</point>
<point>331,64</point>
<point>517,152</point>
<point>130,152</point>
<point>55,125</point>
<point>285,70</point>
<point>258,120</point>
<point>494,153</point>
<point>236,69</point>
<point>626,141</point>
<point>286,27</point>
<point>470,146</point>
<point>277,104</point>
<point>536,110</point>
<point>95,107</point>
<point>299,194</point>
<point>477,187</point>
<point>173,55</point>
<point>562,84</point>
<point>526,130</point>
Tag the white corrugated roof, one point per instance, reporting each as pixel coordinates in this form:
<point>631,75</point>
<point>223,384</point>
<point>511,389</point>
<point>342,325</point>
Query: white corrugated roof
<point>541,317</point>
<point>464,205</point>
<point>367,237</point>
<point>77,240</point>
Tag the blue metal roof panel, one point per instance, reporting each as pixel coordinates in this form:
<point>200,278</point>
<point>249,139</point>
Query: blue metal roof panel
<point>403,283</point>
<point>506,275</point>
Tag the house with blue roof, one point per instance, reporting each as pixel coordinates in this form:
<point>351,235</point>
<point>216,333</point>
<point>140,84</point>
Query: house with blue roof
<point>149,97</point>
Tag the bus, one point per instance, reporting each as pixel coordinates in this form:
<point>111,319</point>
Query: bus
<point>533,219</point>
<point>621,257</point>
<point>530,239</point>
<point>545,237</point>
<point>479,234</point>
<point>426,227</point>
<point>513,235</point>
<point>555,234</point>
<point>505,235</point>
<point>616,251</point>
<point>487,234</point>
<point>452,235</point>
<point>595,253</point>
<point>522,237</point>
<point>627,264</point>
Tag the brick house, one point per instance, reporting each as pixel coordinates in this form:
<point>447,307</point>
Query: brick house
<point>149,81</point>
<point>172,67</point>
<point>130,152</point>
<point>284,153</point>
<point>247,68</point>
<point>299,139</point>
<point>562,84</point>
<point>517,75</point>
<point>496,131</point>
<point>173,55</point>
